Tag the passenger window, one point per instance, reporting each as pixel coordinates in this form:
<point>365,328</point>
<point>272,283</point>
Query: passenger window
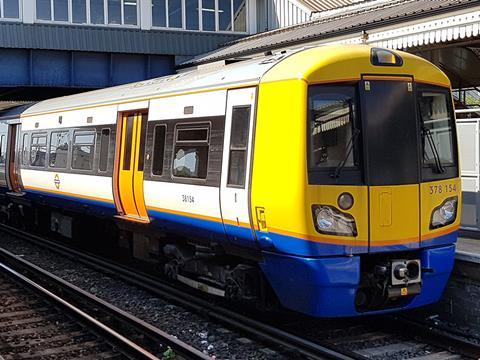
<point>25,150</point>
<point>192,135</point>
<point>127,156</point>
<point>38,150</point>
<point>158,149</point>
<point>3,149</point>
<point>59,143</point>
<point>191,152</point>
<point>141,148</point>
<point>83,150</point>
<point>237,163</point>
<point>332,110</point>
<point>104,148</point>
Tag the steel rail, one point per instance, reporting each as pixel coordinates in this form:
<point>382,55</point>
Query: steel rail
<point>124,343</point>
<point>428,334</point>
<point>433,336</point>
<point>179,347</point>
<point>261,330</point>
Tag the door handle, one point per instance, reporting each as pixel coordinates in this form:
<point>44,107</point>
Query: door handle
<point>261,219</point>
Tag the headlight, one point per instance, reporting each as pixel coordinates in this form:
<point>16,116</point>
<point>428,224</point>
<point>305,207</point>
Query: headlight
<point>444,214</point>
<point>329,220</point>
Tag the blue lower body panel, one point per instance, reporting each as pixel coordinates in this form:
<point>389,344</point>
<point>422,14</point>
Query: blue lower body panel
<point>187,226</point>
<point>326,287</point>
<point>72,203</point>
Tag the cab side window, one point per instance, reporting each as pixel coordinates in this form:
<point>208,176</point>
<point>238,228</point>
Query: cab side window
<point>238,146</point>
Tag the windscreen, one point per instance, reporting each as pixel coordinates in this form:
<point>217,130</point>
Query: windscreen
<point>331,133</point>
<point>439,158</point>
<point>380,132</point>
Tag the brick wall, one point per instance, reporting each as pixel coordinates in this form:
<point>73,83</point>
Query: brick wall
<point>460,303</point>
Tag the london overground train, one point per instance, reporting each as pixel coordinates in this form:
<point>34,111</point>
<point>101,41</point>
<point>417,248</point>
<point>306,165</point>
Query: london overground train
<point>325,178</point>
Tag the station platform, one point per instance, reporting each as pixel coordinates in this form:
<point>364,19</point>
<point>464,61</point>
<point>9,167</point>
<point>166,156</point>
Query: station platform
<point>459,304</point>
<point>468,249</point>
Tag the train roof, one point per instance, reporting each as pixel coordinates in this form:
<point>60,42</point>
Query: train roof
<point>204,77</point>
<point>314,65</point>
<point>14,112</point>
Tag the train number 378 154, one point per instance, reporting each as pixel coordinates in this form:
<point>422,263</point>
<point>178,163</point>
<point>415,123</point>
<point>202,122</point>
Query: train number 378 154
<point>439,189</point>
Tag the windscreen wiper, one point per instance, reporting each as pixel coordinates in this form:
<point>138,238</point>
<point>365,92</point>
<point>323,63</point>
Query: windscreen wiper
<point>438,163</point>
<point>351,144</point>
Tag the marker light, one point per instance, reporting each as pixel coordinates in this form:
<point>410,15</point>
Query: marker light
<point>329,220</point>
<point>444,214</point>
<point>384,57</point>
<point>345,201</point>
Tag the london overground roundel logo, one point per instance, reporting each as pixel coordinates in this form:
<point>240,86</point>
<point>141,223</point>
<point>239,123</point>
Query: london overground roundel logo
<point>56,181</point>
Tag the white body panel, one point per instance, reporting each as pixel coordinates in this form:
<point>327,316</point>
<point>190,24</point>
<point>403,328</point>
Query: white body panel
<point>98,116</point>
<point>85,186</point>
<point>204,104</point>
<point>192,94</point>
<point>235,199</point>
<point>183,198</point>
<point>133,106</point>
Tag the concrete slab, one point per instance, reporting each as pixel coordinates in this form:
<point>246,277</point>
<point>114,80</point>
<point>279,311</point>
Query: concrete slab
<point>388,350</point>
<point>468,249</point>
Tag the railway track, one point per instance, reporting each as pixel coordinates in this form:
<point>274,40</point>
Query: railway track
<point>33,327</point>
<point>391,337</point>
<point>383,337</point>
<point>298,346</point>
<point>132,337</point>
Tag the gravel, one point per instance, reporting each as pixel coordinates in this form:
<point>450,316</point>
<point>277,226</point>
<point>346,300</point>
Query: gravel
<point>32,327</point>
<point>210,337</point>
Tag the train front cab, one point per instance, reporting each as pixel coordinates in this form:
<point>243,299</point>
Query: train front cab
<point>359,213</point>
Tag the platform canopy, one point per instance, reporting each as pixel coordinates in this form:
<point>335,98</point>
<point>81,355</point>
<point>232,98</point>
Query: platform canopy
<point>324,5</point>
<point>443,31</point>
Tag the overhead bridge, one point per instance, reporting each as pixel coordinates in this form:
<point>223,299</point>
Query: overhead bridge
<point>30,74</point>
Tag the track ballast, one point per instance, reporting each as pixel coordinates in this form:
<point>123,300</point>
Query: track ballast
<point>372,339</point>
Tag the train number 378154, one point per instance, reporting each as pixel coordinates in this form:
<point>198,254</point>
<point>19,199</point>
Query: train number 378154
<point>439,189</point>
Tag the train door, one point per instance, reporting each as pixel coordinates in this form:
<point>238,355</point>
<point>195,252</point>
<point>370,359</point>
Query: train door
<point>3,154</point>
<point>12,161</point>
<point>129,162</point>
<point>391,161</point>
<point>235,184</point>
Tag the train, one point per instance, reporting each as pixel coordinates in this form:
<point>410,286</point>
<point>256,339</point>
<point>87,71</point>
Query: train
<point>323,179</point>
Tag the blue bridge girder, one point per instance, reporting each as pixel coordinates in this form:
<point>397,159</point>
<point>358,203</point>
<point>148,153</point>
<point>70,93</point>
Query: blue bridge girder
<point>76,69</point>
